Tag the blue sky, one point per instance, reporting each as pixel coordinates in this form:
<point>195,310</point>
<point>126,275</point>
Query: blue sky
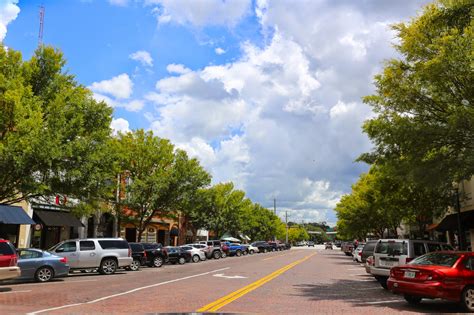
<point>265,93</point>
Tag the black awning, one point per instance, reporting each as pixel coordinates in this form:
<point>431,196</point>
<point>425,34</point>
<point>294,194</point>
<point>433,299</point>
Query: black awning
<point>57,218</point>
<point>14,215</point>
<point>450,222</point>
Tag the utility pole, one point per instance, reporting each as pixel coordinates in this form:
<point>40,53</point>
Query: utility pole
<point>41,26</point>
<point>275,212</point>
<point>286,221</point>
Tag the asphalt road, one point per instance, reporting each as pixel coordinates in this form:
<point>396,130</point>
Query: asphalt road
<point>299,281</point>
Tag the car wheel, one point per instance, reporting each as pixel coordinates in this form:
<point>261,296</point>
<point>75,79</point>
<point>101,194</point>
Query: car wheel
<point>44,274</point>
<point>157,262</point>
<point>467,299</point>
<point>216,255</point>
<point>108,266</point>
<point>223,255</point>
<point>265,250</point>
<point>251,252</point>
<point>238,253</point>
<point>135,265</point>
<point>181,261</point>
<point>245,252</point>
<point>412,300</point>
<point>196,258</point>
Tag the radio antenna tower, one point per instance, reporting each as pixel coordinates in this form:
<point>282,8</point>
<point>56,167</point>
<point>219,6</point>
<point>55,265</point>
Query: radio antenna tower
<point>41,25</point>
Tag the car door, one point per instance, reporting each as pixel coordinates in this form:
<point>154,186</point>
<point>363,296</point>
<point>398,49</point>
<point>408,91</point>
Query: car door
<point>87,254</point>
<point>29,261</point>
<point>69,249</point>
<point>468,271</point>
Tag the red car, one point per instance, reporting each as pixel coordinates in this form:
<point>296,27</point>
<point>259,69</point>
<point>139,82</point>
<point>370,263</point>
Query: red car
<point>444,275</point>
<point>8,261</point>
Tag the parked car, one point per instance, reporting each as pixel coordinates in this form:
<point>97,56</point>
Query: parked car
<point>263,247</point>
<point>444,275</point>
<point>177,255</point>
<point>274,246</point>
<point>8,261</point>
<point>41,265</point>
<point>310,244</point>
<point>138,255</point>
<point>369,263</point>
<point>389,253</point>
<point>202,247</point>
<point>328,245</point>
<point>357,253</point>
<point>216,249</point>
<point>368,250</point>
<point>338,244</point>
<point>103,254</point>
<point>235,249</point>
<point>347,248</point>
<point>196,254</point>
<point>156,255</point>
<point>252,249</point>
<point>245,249</point>
<point>300,244</point>
<point>287,246</point>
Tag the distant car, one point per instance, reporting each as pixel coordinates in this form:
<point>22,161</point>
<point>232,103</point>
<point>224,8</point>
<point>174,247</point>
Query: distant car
<point>177,255</point>
<point>235,249</point>
<point>252,249</point>
<point>216,251</point>
<point>300,244</point>
<point>310,244</point>
<point>8,261</point>
<point>347,248</point>
<point>196,254</point>
<point>202,247</point>
<point>263,247</point>
<point>338,244</point>
<point>444,275</point>
<point>156,255</point>
<point>41,265</point>
<point>104,254</point>
<point>328,245</point>
<point>357,253</point>
<point>368,250</point>
<point>138,255</point>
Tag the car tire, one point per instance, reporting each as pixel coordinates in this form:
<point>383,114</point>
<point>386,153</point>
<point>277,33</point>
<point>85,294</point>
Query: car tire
<point>181,261</point>
<point>196,259</point>
<point>135,266</point>
<point>157,262</point>
<point>265,250</point>
<point>238,253</point>
<point>411,299</point>
<point>467,299</point>
<point>44,274</point>
<point>216,255</point>
<point>108,266</point>
<point>245,252</point>
<point>251,252</point>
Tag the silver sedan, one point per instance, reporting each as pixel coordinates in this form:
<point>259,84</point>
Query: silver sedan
<point>40,265</point>
<point>197,254</point>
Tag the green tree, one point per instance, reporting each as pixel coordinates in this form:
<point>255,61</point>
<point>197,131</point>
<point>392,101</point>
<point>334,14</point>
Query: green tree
<point>297,233</point>
<point>424,99</point>
<point>53,134</point>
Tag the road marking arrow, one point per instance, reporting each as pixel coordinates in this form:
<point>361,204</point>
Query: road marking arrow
<point>221,275</point>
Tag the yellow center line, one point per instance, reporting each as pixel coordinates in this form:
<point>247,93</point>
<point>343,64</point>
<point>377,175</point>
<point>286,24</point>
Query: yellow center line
<point>223,301</point>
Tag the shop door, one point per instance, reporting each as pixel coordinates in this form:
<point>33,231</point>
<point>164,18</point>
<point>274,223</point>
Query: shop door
<point>161,237</point>
<point>131,234</point>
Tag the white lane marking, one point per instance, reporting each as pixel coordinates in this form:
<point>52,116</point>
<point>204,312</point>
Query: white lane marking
<point>58,282</point>
<point>221,275</point>
<point>19,291</point>
<point>352,269</point>
<point>373,280</point>
<point>382,302</point>
<point>127,292</point>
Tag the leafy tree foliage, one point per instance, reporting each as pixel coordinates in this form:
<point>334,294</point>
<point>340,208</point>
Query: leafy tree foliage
<point>53,134</point>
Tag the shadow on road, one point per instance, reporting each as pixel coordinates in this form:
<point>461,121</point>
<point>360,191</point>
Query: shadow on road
<point>368,293</point>
<point>5,289</point>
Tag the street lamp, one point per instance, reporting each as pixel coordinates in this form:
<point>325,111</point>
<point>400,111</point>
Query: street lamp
<point>457,206</point>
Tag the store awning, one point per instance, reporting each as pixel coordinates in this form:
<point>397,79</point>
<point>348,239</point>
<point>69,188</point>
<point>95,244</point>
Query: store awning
<point>57,218</point>
<point>450,222</point>
<point>14,215</point>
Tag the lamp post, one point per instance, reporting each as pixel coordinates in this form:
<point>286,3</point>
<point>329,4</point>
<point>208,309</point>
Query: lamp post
<point>457,206</point>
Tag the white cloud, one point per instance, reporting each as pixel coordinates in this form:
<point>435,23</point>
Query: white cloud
<point>120,125</point>
<point>201,13</point>
<point>143,57</point>
<point>131,106</point>
<point>9,11</point>
<point>219,51</point>
<point>177,68</point>
<point>119,87</point>
<point>120,3</point>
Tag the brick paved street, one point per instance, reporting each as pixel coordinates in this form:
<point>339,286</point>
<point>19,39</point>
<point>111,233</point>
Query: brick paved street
<point>319,281</point>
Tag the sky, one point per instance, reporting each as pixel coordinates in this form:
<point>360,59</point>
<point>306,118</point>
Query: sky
<point>264,93</point>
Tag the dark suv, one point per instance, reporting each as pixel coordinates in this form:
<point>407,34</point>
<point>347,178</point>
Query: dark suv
<point>177,255</point>
<point>216,251</point>
<point>368,250</point>
<point>138,255</point>
<point>156,255</point>
<point>263,247</point>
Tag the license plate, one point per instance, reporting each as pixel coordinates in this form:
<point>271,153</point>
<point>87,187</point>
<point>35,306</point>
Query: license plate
<point>409,274</point>
<point>388,263</point>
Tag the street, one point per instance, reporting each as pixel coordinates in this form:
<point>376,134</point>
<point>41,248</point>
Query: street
<point>299,281</point>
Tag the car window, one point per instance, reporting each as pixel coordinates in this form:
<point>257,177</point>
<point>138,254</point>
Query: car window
<point>86,245</point>
<point>369,247</point>
<point>137,247</point>
<point>114,244</point>
<point>469,263</point>
<point>436,259</point>
<point>186,247</point>
<point>6,249</point>
<point>391,248</point>
<point>29,254</point>
<point>419,248</point>
<point>446,247</point>
<point>67,247</point>
<point>433,247</point>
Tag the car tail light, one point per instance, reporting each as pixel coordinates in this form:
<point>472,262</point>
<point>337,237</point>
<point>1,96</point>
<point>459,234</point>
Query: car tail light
<point>13,261</point>
<point>63,260</point>
<point>144,254</point>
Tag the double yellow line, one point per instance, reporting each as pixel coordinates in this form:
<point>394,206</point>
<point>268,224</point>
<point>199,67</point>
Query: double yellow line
<point>216,305</point>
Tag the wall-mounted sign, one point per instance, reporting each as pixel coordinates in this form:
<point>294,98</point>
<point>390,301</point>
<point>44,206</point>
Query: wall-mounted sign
<point>38,227</point>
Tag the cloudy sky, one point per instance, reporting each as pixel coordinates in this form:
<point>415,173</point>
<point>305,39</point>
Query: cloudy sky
<point>266,94</point>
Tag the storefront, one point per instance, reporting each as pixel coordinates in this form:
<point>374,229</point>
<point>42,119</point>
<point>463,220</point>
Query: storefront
<point>55,224</point>
<point>11,218</point>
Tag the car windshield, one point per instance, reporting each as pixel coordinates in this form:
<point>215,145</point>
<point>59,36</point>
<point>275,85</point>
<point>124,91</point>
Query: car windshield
<point>436,259</point>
